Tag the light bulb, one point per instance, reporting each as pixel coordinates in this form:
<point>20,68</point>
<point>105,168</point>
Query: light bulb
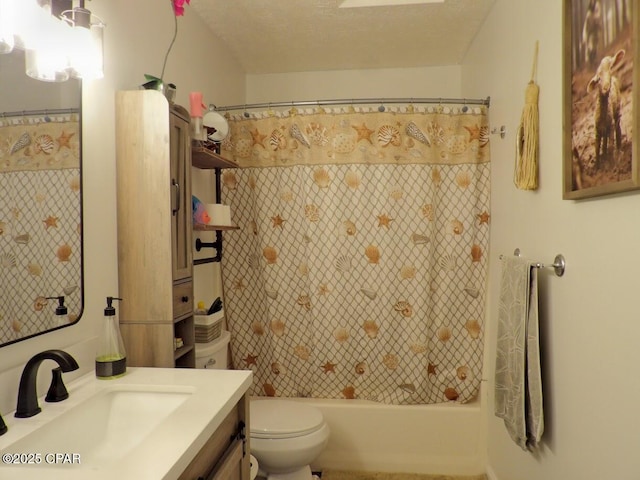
<point>46,56</point>
<point>27,22</point>
<point>86,57</point>
<point>7,22</point>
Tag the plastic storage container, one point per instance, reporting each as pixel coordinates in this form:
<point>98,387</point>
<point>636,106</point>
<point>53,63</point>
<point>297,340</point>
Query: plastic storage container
<point>213,354</point>
<point>208,327</point>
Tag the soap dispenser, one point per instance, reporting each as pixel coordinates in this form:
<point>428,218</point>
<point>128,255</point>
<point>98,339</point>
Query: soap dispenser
<point>111,360</point>
<point>61,312</point>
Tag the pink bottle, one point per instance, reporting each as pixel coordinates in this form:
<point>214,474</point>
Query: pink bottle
<point>195,101</point>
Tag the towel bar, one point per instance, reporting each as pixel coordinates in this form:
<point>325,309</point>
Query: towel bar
<point>559,264</point>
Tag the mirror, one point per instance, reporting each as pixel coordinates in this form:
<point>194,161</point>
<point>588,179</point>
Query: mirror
<point>40,204</point>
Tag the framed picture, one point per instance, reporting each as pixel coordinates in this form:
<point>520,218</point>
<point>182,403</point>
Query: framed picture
<point>600,56</point>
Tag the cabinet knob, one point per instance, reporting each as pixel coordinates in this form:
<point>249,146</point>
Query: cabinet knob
<point>185,299</point>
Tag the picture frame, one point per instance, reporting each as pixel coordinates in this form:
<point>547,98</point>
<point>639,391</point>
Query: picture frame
<point>600,98</point>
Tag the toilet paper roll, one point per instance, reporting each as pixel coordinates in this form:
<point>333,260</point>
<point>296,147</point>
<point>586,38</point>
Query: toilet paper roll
<point>219,214</point>
<point>254,467</point>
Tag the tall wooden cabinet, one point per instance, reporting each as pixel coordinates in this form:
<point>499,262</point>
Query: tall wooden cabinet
<point>153,158</point>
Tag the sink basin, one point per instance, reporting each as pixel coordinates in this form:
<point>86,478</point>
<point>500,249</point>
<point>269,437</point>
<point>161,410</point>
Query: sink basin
<point>150,423</point>
<point>107,426</point>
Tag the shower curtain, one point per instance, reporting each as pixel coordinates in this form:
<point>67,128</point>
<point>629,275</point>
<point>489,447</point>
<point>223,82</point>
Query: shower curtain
<point>359,267</point>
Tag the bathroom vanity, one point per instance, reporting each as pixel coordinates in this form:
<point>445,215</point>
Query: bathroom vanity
<point>156,423</point>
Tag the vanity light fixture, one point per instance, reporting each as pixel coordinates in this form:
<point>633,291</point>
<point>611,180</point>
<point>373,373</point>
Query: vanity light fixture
<point>86,51</point>
<point>60,41</point>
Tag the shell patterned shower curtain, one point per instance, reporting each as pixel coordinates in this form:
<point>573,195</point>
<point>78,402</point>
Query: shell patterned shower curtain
<point>359,268</point>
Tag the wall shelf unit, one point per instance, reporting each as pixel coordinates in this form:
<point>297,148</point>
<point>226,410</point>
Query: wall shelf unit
<point>206,159</point>
<point>212,228</point>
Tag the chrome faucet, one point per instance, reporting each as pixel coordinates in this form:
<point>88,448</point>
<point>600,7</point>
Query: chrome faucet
<point>27,395</point>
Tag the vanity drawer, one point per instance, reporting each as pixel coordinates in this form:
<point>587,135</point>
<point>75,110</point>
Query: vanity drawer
<point>182,299</point>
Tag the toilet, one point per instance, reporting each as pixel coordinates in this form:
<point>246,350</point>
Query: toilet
<point>286,436</point>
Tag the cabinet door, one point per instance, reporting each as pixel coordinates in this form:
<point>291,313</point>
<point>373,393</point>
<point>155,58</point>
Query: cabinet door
<point>181,229</point>
<point>224,456</point>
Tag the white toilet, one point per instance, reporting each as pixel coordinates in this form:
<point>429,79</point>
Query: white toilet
<point>286,436</point>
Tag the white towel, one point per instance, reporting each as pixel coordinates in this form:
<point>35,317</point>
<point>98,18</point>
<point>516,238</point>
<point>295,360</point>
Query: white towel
<point>518,385</point>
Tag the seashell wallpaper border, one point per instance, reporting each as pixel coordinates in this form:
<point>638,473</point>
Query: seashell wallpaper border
<point>445,137</point>
<point>40,233</point>
<point>39,143</point>
<point>360,267</point>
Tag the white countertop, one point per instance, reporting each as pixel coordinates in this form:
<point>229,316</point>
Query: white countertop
<point>165,453</point>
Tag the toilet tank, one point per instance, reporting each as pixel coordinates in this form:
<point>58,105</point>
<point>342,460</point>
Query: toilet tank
<point>213,354</point>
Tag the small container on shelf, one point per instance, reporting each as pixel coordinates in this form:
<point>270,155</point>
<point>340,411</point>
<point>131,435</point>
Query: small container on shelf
<point>208,327</point>
<point>219,214</point>
<point>211,216</point>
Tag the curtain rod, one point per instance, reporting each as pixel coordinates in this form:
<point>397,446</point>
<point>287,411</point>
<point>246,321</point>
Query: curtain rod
<point>355,101</point>
<point>52,111</point>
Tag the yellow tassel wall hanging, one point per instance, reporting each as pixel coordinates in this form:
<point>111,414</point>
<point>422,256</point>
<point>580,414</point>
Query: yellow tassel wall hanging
<point>526,171</point>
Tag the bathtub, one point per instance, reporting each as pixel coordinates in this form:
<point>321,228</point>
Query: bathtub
<point>433,439</point>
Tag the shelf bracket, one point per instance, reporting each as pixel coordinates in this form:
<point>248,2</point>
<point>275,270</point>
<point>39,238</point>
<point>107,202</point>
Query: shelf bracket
<point>217,245</point>
<point>200,244</point>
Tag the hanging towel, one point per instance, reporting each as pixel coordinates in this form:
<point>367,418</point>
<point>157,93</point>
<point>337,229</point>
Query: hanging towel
<point>518,385</point>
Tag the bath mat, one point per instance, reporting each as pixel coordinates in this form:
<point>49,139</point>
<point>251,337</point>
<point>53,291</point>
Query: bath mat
<point>351,475</point>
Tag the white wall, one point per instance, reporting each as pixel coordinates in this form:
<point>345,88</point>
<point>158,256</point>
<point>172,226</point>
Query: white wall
<point>344,84</point>
<point>589,321</point>
<point>136,39</point>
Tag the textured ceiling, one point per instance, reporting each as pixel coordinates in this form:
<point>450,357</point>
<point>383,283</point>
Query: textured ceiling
<point>280,36</point>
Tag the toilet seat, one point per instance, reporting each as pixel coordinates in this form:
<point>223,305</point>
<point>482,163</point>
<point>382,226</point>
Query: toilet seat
<point>276,419</point>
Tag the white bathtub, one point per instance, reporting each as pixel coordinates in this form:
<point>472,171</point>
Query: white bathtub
<point>368,436</point>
